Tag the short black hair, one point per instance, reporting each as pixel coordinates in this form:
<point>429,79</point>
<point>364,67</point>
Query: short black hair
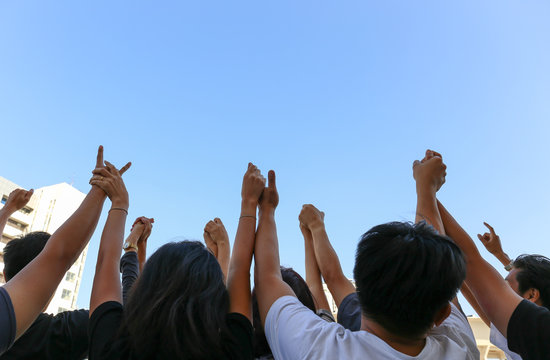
<point>534,273</point>
<point>405,273</point>
<point>21,251</point>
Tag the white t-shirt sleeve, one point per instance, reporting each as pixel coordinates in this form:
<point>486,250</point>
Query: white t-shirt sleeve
<point>291,328</point>
<point>457,328</point>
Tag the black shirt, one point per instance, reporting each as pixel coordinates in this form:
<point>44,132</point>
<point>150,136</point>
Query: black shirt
<point>61,336</point>
<point>529,331</point>
<point>106,343</point>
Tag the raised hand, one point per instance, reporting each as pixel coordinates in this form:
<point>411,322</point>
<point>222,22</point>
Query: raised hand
<point>146,225</point>
<point>270,196</point>
<point>216,232</point>
<point>17,200</point>
<point>253,184</point>
<point>491,240</point>
<point>311,217</point>
<point>110,181</point>
<point>429,173</point>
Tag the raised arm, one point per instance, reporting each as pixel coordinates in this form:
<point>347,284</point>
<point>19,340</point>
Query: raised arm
<point>142,242</point>
<point>497,300</point>
<point>129,263</point>
<point>429,174</point>
<point>268,281</point>
<point>106,285</point>
<point>313,274</point>
<point>31,289</point>
<point>16,201</point>
<point>217,240</point>
<point>327,259</point>
<point>238,277</point>
<point>492,243</point>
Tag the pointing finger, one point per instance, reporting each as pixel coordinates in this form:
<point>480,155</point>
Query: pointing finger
<point>271,179</point>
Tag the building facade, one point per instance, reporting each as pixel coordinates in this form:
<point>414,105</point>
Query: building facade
<point>47,210</point>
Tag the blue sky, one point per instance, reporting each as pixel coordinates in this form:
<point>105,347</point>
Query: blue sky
<point>338,97</point>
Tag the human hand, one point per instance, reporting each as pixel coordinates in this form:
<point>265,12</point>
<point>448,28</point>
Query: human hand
<point>216,231</point>
<point>143,226</point>
<point>429,173</point>
<point>310,217</point>
<point>491,240</point>
<point>270,197</point>
<point>253,184</point>
<point>109,179</point>
<point>17,200</point>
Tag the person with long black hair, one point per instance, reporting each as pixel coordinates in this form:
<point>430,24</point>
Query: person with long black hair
<point>179,308</point>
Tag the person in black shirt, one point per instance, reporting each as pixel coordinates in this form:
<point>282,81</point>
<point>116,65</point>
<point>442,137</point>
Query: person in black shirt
<point>61,336</point>
<point>524,324</point>
<point>179,308</point>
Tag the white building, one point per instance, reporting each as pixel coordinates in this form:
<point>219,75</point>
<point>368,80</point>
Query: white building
<point>47,210</point>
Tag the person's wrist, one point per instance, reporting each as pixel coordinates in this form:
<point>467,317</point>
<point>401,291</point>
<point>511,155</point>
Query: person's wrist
<point>249,204</point>
<point>120,203</point>
<point>425,189</point>
<point>8,210</point>
<point>266,210</point>
<point>317,226</point>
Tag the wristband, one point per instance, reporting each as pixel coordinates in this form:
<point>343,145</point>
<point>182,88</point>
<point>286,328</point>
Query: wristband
<point>121,209</point>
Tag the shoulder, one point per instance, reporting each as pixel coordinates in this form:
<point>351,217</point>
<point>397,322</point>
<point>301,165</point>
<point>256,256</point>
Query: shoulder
<point>7,321</point>
<point>239,344</point>
<point>528,330</point>
<point>456,331</point>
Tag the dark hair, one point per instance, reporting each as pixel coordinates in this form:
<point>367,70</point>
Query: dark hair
<point>405,274</point>
<point>21,251</point>
<point>535,273</point>
<point>300,288</point>
<point>178,306</point>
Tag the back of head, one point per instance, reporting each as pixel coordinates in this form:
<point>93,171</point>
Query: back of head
<point>405,274</point>
<point>178,306</point>
<point>302,292</point>
<point>534,273</point>
<point>21,251</point>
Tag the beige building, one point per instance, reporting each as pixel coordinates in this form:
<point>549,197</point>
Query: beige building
<point>48,208</point>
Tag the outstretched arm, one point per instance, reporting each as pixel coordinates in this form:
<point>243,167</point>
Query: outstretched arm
<point>497,300</point>
<point>217,240</point>
<point>326,257</point>
<point>106,285</point>
<point>238,278</point>
<point>313,274</point>
<point>31,289</point>
<point>267,273</point>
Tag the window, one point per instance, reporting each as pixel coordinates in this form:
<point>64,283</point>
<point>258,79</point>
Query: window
<point>61,309</point>
<point>70,276</point>
<point>4,199</point>
<point>66,294</point>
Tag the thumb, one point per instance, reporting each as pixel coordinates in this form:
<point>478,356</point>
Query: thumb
<point>271,179</point>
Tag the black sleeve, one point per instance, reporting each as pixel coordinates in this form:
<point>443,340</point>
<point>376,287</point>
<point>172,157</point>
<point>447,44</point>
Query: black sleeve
<point>349,312</point>
<point>529,331</point>
<point>103,327</point>
<point>239,346</point>
<point>70,328</point>
<point>129,266</point>
<point>7,321</point>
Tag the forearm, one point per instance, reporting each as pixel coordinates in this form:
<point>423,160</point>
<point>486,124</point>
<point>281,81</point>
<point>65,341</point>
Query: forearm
<point>238,277</point>
<point>142,255</point>
<point>130,271</point>
<point>503,258</point>
<point>473,302</point>
<point>106,286</point>
<point>426,209</point>
<point>329,265</point>
<point>223,257</point>
<point>4,216</point>
<point>313,274</point>
<point>70,239</point>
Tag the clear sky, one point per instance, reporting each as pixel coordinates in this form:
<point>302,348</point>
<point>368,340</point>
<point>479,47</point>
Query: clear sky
<point>338,97</point>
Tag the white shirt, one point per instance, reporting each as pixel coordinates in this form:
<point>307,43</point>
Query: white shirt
<point>294,332</point>
<point>500,342</point>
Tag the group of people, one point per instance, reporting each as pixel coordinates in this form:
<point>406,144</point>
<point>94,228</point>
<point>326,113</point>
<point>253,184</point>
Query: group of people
<point>191,300</point>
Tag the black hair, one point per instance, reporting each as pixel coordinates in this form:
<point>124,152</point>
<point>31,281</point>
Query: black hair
<point>300,288</point>
<point>177,308</point>
<point>405,273</point>
<point>21,251</point>
<point>534,273</point>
